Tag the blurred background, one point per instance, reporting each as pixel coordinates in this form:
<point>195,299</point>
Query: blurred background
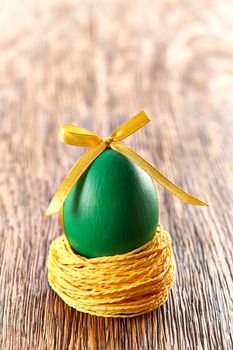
<point>97,63</point>
<point>75,57</point>
<point>93,62</point>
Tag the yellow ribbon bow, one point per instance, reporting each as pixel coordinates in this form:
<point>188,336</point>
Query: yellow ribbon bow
<point>74,135</point>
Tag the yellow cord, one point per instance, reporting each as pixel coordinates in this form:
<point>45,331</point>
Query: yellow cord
<point>124,285</point>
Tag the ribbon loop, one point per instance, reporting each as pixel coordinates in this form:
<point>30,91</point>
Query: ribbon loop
<point>130,126</point>
<point>74,135</point>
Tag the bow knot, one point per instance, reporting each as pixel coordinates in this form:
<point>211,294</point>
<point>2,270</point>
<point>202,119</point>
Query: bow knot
<point>108,140</point>
<point>74,135</point>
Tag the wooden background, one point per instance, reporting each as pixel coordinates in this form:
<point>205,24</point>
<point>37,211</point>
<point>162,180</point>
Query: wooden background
<point>96,63</point>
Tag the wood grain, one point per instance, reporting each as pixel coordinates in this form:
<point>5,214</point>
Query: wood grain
<point>95,63</point>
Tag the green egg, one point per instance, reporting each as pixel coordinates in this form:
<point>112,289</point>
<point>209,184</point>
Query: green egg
<point>112,209</point>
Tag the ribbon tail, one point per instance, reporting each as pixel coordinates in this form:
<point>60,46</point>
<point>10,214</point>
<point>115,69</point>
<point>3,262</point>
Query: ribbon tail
<point>74,174</point>
<point>156,175</point>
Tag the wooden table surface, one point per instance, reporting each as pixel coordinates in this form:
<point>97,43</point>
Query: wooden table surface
<point>96,63</point>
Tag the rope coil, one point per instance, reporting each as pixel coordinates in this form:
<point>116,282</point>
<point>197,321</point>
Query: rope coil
<point>124,285</point>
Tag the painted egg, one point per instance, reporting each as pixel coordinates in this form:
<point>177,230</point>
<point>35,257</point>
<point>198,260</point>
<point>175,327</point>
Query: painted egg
<point>112,209</point>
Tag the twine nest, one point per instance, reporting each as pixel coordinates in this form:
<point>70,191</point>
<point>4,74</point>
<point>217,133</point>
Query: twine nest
<point>124,285</point>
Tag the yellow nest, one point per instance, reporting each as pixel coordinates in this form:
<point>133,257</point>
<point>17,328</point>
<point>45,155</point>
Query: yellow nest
<point>124,285</point>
